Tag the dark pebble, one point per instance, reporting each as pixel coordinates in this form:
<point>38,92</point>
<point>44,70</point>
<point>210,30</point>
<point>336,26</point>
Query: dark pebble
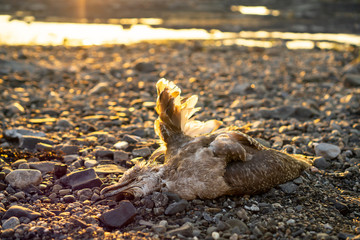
<point>29,142</point>
<point>69,198</point>
<point>176,207</point>
<point>122,215</point>
<point>145,67</point>
<point>288,187</point>
<point>60,170</point>
<point>321,163</point>
<point>185,230</point>
<point>342,207</point>
<point>70,149</point>
<point>82,179</point>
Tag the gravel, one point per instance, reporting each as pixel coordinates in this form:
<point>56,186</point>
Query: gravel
<point>72,124</point>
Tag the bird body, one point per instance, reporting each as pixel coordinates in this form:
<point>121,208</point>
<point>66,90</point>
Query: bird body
<point>201,161</point>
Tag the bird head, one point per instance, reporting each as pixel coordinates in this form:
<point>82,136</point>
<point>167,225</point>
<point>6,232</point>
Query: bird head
<point>138,181</point>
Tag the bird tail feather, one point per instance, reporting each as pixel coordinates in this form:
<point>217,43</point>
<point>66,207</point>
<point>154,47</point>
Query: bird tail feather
<point>175,113</point>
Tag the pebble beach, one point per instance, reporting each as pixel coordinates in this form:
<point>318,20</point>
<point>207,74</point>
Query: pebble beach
<point>74,119</point>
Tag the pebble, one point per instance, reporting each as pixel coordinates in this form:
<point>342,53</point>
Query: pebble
<point>29,142</point>
<point>145,67</point>
<point>238,225</point>
<point>22,178</point>
<point>70,149</point>
<point>60,170</point>
<point>328,151</point>
<point>44,166</point>
<point>176,207</point>
<point>82,179</point>
<point>288,187</point>
<point>69,198</point>
<point>141,152</point>
<point>13,133</point>
<point>10,223</point>
<point>351,80</point>
<point>321,163</point>
<point>120,216</point>
<point>109,168</point>
<point>18,211</point>
<point>102,87</point>
<point>185,230</point>
<point>121,145</point>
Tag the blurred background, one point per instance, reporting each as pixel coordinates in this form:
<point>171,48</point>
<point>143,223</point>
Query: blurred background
<point>214,19</point>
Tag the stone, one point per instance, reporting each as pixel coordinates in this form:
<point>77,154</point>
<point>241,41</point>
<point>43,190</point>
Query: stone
<point>69,198</point>
<point>121,145</point>
<point>185,230</point>
<point>288,187</point>
<point>22,178</point>
<point>131,138</point>
<point>89,163</point>
<point>120,216</point>
<point>44,166</point>
<point>159,199</point>
<point>109,168</point>
<point>351,80</point>
<point>121,156</point>
<point>321,163</point>
<point>176,207</point>
<point>141,152</point>
<point>82,179</point>
<point>60,170</point>
<point>85,194</point>
<point>328,151</point>
<point>102,87</point>
<point>18,162</point>
<point>236,223</point>
<point>19,212</point>
<point>104,154</point>
<point>19,132</point>
<point>64,123</point>
<point>145,67</point>
<point>14,108</point>
<point>29,142</point>
<point>11,223</point>
<point>70,149</point>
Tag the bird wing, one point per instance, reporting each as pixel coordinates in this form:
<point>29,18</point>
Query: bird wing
<point>234,145</point>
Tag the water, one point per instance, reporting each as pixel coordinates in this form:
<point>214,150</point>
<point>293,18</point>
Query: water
<point>28,32</point>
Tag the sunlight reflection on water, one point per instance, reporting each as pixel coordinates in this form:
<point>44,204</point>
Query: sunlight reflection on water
<point>17,32</point>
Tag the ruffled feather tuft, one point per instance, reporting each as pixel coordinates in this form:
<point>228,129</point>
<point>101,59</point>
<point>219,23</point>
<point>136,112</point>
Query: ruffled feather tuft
<point>175,113</point>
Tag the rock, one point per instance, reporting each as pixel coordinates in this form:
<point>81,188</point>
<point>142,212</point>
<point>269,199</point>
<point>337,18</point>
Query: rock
<point>85,194</point>
<point>131,138</point>
<point>14,108</point>
<point>141,152</point>
<point>159,199</point>
<point>82,179</point>
<point>342,207</point>
<point>121,145</point>
<point>18,211</point>
<point>242,214</point>
<point>17,163</point>
<point>109,168</point>
<point>11,223</point>
<point>22,178</point>
<point>29,142</point>
<point>185,230</point>
<point>328,151</point>
<point>64,123</point>
<point>121,216</point>
<point>60,170</point>
<point>145,67</point>
<point>102,87</point>
<point>70,149</point>
<point>321,163</point>
<point>44,166</point>
<point>104,154</point>
<point>69,198</point>
<point>236,223</point>
<point>176,207</point>
<point>19,132</point>
<point>120,156</point>
<point>253,208</point>
<point>351,80</point>
<point>288,187</point>
<point>89,163</point>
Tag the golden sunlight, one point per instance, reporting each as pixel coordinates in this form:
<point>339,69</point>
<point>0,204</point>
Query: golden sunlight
<point>254,10</point>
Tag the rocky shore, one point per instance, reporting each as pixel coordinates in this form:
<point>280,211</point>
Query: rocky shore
<point>73,119</point>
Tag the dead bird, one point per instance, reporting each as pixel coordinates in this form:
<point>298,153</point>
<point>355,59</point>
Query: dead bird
<point>202,161</point>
